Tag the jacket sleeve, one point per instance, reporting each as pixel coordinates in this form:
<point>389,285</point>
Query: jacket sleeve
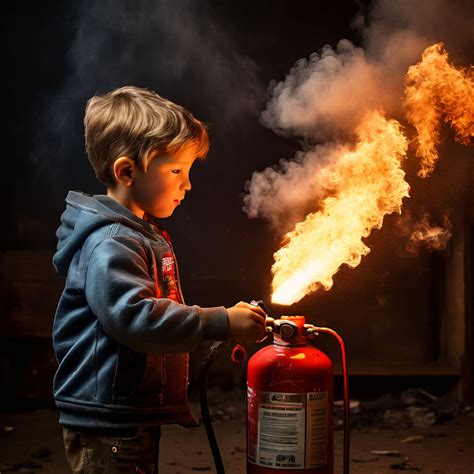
<point>121,294</point>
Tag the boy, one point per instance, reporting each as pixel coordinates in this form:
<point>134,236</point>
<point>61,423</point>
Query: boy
<point>122,332</point>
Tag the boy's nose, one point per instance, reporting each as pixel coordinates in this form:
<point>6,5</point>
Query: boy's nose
<point>186,185</point>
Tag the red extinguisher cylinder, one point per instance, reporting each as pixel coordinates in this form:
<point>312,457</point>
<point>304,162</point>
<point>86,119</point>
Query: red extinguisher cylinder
<point>289,407</point>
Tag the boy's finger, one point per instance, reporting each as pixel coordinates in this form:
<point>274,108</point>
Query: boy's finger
<point>253,308</point>
<point>257,309</point>
<point>259,312</point>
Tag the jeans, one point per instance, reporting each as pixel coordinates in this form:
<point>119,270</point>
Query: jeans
<point>128,451</point>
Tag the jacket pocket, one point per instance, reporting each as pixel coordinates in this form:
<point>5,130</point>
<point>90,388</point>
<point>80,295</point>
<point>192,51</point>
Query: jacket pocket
<point>129,369</point>
<point>138,377</point>
<point>152,382</point>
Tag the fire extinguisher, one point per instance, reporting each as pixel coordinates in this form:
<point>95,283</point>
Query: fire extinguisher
<point>289,402</point>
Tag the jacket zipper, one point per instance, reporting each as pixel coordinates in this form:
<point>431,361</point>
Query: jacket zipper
<point>178,277</point>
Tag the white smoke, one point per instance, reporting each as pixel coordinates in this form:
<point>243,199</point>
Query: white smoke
<point>327,94</point>
<point>281,194</point>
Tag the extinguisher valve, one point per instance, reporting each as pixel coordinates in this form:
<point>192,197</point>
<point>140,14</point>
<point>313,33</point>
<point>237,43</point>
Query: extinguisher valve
<point>286,329</point>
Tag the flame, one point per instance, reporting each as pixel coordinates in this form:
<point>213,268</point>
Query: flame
<point>436,89</point>
<point>365,184</point>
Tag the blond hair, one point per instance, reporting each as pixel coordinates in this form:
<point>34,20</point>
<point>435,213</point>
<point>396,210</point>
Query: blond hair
<point>132,121</point>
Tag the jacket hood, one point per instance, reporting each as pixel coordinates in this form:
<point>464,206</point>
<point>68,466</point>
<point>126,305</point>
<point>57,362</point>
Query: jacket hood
<point>83,215</point>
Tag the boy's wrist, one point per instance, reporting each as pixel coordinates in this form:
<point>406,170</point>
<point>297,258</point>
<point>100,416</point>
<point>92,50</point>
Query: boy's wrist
<point>215,323</point>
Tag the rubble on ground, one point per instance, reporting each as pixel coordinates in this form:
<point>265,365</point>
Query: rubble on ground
<point>413,408</point>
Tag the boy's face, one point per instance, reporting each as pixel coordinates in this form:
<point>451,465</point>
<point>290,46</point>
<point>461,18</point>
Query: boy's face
<point>160,189</point>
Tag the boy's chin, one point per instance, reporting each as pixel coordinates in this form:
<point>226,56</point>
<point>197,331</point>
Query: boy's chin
<point>162,215</point>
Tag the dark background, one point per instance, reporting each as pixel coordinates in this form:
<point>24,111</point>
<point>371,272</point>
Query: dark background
<point>45,90</point>
<point>216,59</point>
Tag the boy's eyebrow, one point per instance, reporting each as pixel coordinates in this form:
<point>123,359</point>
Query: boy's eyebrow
<point>175,162</point>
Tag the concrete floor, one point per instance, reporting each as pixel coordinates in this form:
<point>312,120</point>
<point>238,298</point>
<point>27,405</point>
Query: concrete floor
<point>447,448</point>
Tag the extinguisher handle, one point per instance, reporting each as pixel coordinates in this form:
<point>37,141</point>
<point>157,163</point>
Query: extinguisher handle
<point>261,304</point>
<point>269,321</point>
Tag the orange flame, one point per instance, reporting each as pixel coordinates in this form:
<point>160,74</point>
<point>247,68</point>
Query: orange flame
<point>365,184</point>
<point>436,89</point>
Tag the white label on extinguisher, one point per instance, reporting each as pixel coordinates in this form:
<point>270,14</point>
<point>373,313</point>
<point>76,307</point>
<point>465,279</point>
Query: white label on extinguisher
<point>291,432</point>
<point>317,429</point>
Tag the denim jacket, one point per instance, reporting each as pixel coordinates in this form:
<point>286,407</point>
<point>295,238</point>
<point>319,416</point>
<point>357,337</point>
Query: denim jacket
<point>122,332</point>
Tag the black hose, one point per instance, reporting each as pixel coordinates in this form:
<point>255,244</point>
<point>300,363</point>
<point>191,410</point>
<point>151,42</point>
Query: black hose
<point>214,350</point>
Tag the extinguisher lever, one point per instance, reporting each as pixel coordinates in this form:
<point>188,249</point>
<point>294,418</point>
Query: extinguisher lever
<point>261,304</point>
<point>270,325</point>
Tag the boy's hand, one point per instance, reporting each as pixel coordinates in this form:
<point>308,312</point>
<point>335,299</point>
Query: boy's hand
<point>246,322</point>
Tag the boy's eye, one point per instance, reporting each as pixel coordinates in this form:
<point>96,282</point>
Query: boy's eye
<point>175,171</point>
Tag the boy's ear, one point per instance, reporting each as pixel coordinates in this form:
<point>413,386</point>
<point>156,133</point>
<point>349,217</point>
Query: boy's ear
<point>123,169</point>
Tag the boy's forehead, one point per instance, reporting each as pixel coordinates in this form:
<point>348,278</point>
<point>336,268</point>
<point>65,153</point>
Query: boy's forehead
<point>185,154</point>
